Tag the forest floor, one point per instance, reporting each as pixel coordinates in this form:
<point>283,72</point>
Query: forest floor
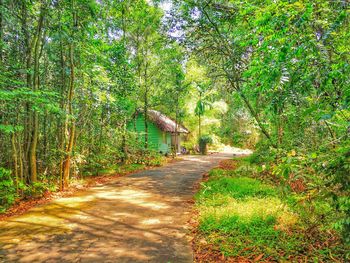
<point>243,215</point>
<point>139,218</point>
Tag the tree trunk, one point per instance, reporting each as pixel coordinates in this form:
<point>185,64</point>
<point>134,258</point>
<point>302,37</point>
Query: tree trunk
<point>124,146</point>
<point>257,118</point>
<point>2,138</point>
<point>15,158</point>
<point>251,110</point>
<point>71,132</point>
<point>199,118</point>
<point>199,126</point>
<point>67,160</point>
<point>28,117</point>
<point>176,125</point>
<point>1,32</point>
<point>62,122</point>
<point>36,83</point>
<point>279,128</point>
<point>145,110</point>
<point>32,149</point>
<point>21,158</point>
<point>70,124</point>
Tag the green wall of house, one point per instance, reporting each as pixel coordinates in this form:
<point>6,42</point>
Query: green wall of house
<point>157,139</point>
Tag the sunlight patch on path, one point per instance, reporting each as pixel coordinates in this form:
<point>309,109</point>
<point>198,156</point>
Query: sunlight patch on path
<point>138,218</point>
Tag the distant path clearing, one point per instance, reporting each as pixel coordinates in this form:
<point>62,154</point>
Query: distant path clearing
<point>138,218</point>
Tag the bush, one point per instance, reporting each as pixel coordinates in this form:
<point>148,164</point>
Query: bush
<point>190,147</point>
<point>147,157</point>
<point>37,189</point>
<point>203,142</point>
<point>264,153</point>
<point>336,165</point>
<point>7,189</point>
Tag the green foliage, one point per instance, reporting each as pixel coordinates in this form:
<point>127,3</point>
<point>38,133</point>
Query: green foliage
<point>279,68</point>
<point>217,172</point>
<point>239,235</point>
<point>263,154</point>
<point>319,180</point>
<point>203,142</point>
<point>136,153</point>
<point>150,158</point>
<point>205,139</point>
<point>37,189</point>
<point>343,205</point>
<point>237,187</point>
<point>7,189</point>
<point>282,67</point>
<point>337,170</point>
<point>239,212</point>
<point>85,68</point>
<point>242,216</point>
<point>8,129</point>
<point>128,168</point>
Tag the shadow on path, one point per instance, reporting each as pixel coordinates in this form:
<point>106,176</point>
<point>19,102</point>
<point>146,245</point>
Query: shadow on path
<point>138,218</point>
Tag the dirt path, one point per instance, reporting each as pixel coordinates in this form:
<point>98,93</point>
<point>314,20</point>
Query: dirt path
<point>138,218</point>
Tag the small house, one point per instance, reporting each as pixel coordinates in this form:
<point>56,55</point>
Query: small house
<point>163,132</point>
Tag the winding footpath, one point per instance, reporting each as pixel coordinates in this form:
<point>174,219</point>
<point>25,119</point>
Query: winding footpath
<point>138,218</point>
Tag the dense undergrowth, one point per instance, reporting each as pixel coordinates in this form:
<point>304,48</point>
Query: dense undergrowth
<point>246,211</point>
<point>12,192</point>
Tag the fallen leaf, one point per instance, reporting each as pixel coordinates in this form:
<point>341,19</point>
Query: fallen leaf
<point>258,257</point>
<point>203,241</point>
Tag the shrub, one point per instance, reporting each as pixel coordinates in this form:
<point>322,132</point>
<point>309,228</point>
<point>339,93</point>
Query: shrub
<point>147,157</point>
<point>203,142</point>
<point>7,189</point>
<point>337,169</point>
<point>37,189</point>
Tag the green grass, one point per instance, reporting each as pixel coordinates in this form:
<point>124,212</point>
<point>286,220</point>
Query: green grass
<point>238,224</point>
<point>218,172</point>
<point>243,216</point>
<point>237,187</point>
<point>240,212</point>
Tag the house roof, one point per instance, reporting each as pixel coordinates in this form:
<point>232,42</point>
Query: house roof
<point>164,122</point>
